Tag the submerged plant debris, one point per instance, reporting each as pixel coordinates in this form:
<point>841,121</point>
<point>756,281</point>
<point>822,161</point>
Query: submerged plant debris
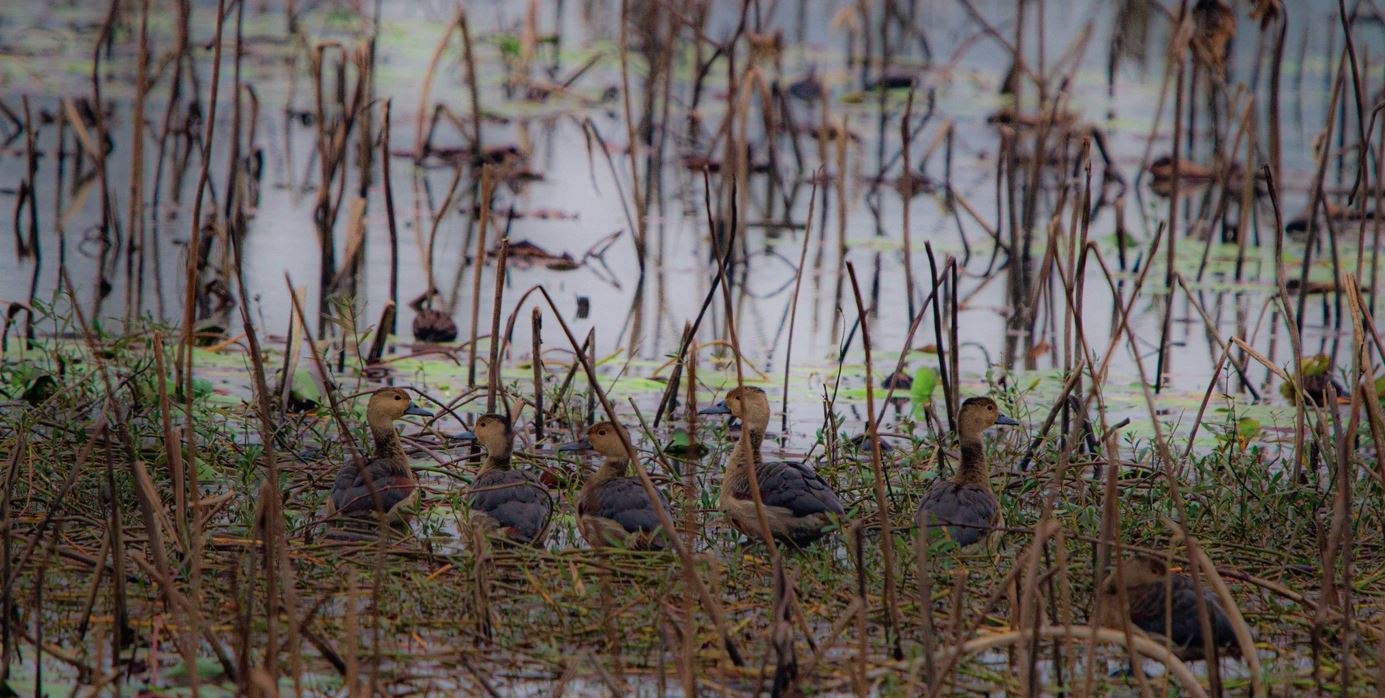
<point>1148,231</point>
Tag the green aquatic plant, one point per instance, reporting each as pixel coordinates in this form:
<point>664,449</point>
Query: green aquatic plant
<point>921,391</point>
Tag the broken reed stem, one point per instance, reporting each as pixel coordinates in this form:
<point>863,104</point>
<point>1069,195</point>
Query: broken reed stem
<point>387,181</point>
<point>493,367</point>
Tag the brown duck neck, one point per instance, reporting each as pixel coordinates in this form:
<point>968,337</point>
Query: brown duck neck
<point>973,470</point>
<point>747,453</point>
<point>611,468</point>
<point>497,458</point>
<point>387,446</point>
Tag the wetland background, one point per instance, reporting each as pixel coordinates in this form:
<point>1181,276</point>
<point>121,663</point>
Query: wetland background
<point>1097,212</point>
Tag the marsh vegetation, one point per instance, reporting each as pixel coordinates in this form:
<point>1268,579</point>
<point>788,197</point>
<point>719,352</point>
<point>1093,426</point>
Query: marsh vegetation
<point>1149,232</point>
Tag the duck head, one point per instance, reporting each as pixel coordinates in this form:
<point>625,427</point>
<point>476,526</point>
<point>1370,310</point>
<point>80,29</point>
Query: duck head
<point>603,437</point>
<point>979,414</point>
<point>747,403</point>
<point>1136,572</point>
<point>388,405</point>
<point>493,432</point>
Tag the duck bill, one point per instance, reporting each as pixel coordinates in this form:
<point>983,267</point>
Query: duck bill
<point>583,445</point>
<point>719,408</point>
<point>1002,420</point>
<point>467,436</point>
<point>417,411</point>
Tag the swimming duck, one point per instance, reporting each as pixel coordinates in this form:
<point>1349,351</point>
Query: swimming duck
<point>798,502</point>
<point>509,502</point>
<point>430,324</point>
<point>387,471</point>
<point>613,508</point>
<point>1146,582</point>
<point>965,507</point>
<point>434,326</point>
<point>1316,374</point>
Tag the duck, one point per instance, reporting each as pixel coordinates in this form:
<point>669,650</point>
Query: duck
<point>386,485</point>
<point>434,327</point>
<point>613,508</point>
<point>430,324</point>
<point>799,504</point>
<point>965,507</point>
<point>1316,374</point>
<point>510,503</point>
<point>1151,592</point>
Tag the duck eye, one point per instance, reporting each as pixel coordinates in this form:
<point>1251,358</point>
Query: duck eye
<point>398,397</point>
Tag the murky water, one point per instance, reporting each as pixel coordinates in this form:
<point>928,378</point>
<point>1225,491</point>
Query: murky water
<point>579,201</point>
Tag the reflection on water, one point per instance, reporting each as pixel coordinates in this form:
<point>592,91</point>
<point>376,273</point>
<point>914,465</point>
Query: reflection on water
<point>563,195</point>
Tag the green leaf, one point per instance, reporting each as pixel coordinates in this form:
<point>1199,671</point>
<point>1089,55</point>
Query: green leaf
<point>1316,365</point>
<point>682,443</point>
<point>921,392</point>
<point>1248,428</point>
<point>510,46</point>
<point>205,668</point>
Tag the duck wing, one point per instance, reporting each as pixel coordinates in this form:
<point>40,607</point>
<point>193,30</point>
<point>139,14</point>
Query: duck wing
<point>351,493</point>
<point>1147,608</point>
<point>793,486</point>
<point>515,500</point>
<point>966,512</point>
<point>624,501</point>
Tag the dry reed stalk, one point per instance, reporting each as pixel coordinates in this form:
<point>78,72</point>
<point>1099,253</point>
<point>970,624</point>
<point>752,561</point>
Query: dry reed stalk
<point>723,260</point>
<point>1317,197</point>
<point>184,360</point>
<point>687,673</point>
<point>882,500</point>
<point>135,229</point>
<point>479,262</point>
<point>1179,48</point>
<point>473,89</point>
<point>329,390</point>
<point>793,303</point>
<point>1290,323</point>
<point>907,197</point>
<point>685,557</point>
<point>639,231</point>
<point>428,268</point>
<point>419,131</point>
<point>536,354</point>
<point>387,179</point>
<point>743,446</point>
<point>943,373</point>
<point>6,556</point>
<point>173,447</point>
<point>150,507</point>
<point>1142,646</point>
